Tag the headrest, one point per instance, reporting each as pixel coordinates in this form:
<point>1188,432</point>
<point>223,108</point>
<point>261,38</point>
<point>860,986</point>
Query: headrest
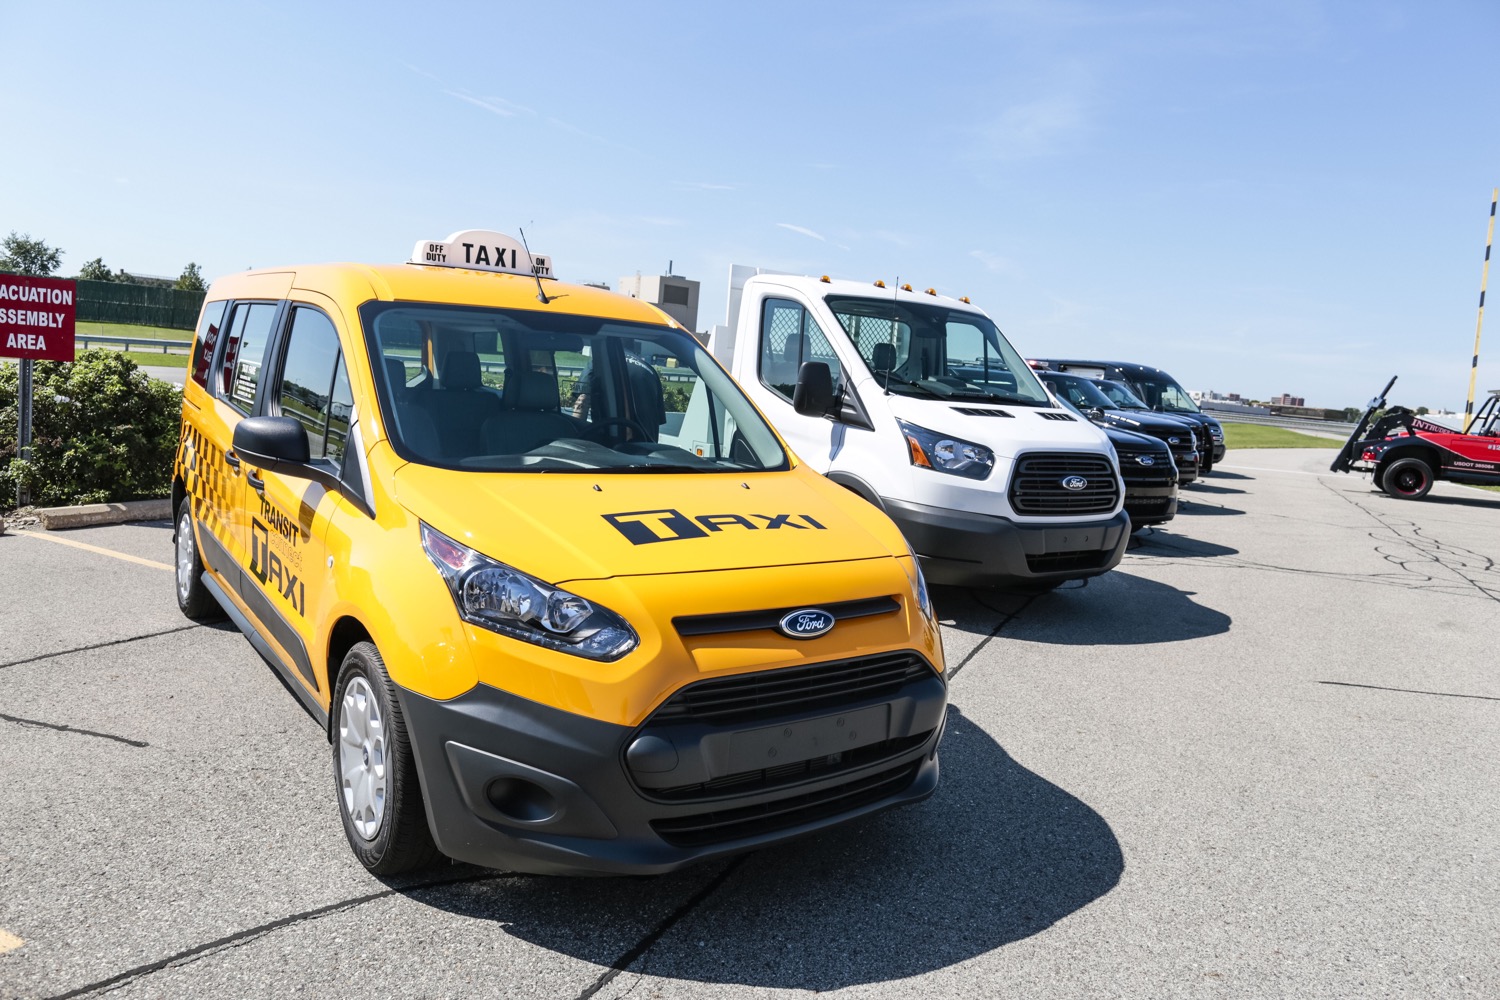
<point>529,390</point>
<point>461,370</point>
<point>395,373</point>
<point>793,349</point>
<point>883,357</point>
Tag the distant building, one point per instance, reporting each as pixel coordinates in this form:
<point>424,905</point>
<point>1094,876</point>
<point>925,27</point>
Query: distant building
<point>672,294</point>
<point>1286,400</point>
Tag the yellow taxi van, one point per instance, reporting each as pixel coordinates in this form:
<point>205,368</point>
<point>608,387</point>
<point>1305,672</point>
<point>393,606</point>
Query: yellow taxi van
<point>562,598</point>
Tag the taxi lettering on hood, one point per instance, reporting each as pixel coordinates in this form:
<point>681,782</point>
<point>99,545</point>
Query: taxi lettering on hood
<point>642,527</point>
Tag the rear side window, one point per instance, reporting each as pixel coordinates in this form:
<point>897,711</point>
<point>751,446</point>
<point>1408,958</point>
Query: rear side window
<point>245,352</point>
<point>310,387</point>
<point>208,341</point>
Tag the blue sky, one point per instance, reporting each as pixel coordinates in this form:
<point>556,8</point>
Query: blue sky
<point>1258,196</point>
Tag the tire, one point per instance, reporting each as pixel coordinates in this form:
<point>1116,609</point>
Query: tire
<point>1407,479</point>
<point>193,598</point>
<point>374,772</point>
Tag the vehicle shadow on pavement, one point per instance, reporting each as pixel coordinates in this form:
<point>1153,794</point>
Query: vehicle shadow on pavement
<point>1156,542</point>
<point>1220,474</point>
<point>1198,508</point>
<point>1199,486</point>
<point>1117,608</point>
<point>1478,501</point>
<point>997,855</point>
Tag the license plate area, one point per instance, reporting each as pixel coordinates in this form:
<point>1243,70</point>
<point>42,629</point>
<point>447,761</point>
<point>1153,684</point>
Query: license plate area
<point>794,742</point>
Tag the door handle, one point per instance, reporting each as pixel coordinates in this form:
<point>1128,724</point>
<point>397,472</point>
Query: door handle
<point>256,483</point>
<point>233,460</point>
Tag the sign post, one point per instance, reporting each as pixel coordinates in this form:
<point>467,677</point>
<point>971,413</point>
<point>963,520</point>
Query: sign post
<point>36,323</point>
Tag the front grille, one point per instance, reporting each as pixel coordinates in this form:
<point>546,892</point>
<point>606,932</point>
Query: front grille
<point>1146,505</point>
<point>721,826</point>
<point>751,782</point>
<point>1036,487</point>
<point>749,621</point>
<point>1066,562</point>
<point>774,694</point>
<point>1142,476</point>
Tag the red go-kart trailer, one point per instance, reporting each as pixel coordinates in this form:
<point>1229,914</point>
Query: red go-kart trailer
<point>1408,453</point>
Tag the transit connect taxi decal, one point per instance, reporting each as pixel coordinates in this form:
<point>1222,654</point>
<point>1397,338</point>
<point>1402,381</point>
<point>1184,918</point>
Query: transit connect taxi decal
<point>642,527</point>
<point>277,569</point>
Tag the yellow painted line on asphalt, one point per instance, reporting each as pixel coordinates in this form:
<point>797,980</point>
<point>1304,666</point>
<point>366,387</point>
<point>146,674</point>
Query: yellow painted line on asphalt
<point>8,941</point>
<point>97,550</point>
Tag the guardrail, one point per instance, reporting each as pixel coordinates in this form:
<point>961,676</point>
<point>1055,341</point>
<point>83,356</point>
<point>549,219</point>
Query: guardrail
<point>124,343</point>
<point>1291,423</point>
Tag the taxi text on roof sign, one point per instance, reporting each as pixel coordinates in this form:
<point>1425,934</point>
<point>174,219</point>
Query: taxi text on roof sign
<point>36,318</point>
<point>482,250</point>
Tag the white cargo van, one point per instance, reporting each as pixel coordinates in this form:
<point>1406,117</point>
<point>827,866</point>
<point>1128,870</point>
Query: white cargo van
<point>918,403</point>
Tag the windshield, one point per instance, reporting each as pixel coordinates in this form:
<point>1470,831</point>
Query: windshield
<point>1079,392</point>
<point>533,391</point>
<point>1164,394</point>
<point>1120,395</point>
<point>935,352</point>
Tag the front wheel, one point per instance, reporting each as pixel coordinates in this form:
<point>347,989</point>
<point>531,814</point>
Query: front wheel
<point>193,598</point>
<point>380,798</point>
<point>1407,479</point>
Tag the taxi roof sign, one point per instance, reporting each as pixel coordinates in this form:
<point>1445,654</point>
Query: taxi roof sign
<point>482,250</point>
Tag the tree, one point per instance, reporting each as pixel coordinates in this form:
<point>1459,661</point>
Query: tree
<point>95,270</point>
<point>24,255</point>
<point>191,280</point>
<point>1421,411</point>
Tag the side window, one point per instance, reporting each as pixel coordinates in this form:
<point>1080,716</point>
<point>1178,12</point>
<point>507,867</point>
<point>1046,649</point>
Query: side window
<point>207,341</point>
<point>789,336</point>
<point>307,387</point>
<point>245,352</point>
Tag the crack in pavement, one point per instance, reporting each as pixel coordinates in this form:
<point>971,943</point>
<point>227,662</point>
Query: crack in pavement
<point>37,724</point>
<point>1439,694</point>
<point>99,645</point>
<point>1422,551</point>
<point>198,952</point>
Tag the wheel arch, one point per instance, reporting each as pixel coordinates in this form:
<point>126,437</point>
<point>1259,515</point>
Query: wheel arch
<point>1424,451</point>
<point>346,632</point>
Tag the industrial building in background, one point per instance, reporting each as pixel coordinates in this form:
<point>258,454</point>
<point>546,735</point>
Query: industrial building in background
<point>673,294</point>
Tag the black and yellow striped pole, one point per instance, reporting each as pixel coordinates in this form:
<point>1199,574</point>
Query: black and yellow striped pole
<point>1483,280</point>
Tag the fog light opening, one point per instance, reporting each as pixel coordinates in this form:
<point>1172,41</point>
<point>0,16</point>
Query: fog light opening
<point>521,800</point>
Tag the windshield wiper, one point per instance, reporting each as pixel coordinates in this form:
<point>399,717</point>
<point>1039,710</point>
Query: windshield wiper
<point>889,375</point>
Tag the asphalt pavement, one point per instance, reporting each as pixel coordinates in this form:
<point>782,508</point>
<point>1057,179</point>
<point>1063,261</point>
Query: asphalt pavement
<point>1257,760</point>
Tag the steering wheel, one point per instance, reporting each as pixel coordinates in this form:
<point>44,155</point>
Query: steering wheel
<point>596,432</point>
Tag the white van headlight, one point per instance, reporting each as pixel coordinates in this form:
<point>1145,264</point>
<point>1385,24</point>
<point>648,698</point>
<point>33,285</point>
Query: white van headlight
<point>931,450</point>
<point>501,598</point>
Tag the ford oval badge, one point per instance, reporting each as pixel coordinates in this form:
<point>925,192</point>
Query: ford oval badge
<point>806,623</point>
<point>1074,483</point>
<point>1145,459</point>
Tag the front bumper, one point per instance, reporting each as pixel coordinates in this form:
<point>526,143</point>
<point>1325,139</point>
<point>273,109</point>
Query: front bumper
<point>963,549</point>
<point>514,784</point>
<point>1148,505</point>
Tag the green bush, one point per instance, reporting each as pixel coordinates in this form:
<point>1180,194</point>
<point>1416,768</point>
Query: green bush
<point>102,431</point>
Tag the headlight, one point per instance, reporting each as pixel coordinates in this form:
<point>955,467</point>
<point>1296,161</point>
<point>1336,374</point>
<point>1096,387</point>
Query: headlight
<point>1216,431</point>
<point>931,450</point>
<point>919,583</point>
<point>502,599</point>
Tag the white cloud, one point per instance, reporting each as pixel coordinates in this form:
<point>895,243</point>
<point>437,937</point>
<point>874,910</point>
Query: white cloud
<point>704,186</point>
<point>494,105</point>
<point>993,263</point>
<point>1036,128</point>
<point>802,230</point>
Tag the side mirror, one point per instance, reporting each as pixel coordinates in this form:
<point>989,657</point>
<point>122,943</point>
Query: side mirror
<point>1096,413</point>
<point>276,443</point>
<point>813,394</point>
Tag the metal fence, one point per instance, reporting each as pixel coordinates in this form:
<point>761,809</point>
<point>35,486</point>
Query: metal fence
<point>139,344</point>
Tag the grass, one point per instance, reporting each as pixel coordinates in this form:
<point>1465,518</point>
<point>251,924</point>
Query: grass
<point>155,360</point>
<point>133,332</point>
<point>1256,436</point>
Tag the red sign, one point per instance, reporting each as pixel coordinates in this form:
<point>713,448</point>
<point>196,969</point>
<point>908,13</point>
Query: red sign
<point>36,317</point>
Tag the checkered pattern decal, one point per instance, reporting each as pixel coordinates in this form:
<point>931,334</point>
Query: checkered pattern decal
<point>205,476</point>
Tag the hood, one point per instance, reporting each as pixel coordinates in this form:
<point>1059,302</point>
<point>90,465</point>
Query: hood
<point>1146,422</point>
<point>1022,429</point>
<point>1122,438</point>
<point>592,526</point>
